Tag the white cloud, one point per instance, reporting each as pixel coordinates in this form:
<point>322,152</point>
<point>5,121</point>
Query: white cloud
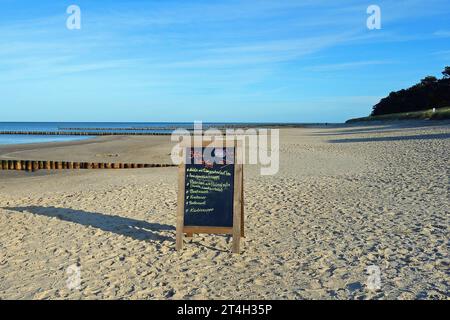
<point>345,65</point>
<point>442,33</point>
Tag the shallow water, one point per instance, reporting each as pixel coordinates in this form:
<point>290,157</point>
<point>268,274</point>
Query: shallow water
<point>21,138</point>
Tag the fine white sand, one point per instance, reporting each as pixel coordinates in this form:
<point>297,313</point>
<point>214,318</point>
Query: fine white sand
<point>344,199</point>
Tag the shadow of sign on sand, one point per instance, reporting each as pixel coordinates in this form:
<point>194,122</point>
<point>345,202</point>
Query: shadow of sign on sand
<point>136,229</point>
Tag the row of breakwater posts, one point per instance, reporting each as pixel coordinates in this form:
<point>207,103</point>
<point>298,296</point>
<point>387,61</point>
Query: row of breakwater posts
<point>124,129</point>
<point>97,133</point>
<point>33,165</point>
<point>92,133</point>
<point>84,133</point>
<point>171,128</point>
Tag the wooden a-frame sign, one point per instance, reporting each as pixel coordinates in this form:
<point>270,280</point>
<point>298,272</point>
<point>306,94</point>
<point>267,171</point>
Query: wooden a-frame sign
<point>211,196</point>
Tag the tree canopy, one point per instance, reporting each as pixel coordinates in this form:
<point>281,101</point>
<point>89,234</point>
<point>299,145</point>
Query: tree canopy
<point>429,93</point>
<point>446,72</point>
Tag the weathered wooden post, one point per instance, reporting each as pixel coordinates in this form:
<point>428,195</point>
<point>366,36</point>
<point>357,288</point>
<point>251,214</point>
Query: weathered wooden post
<point>28,165</point>
<point>17,165</point>
<point>35,166</point>
<point>47,165</point>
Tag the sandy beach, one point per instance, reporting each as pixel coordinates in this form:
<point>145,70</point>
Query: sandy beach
<point>345,198</point>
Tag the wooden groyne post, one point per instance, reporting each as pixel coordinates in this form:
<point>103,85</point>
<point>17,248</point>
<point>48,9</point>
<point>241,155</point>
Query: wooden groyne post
<point>34,165</point>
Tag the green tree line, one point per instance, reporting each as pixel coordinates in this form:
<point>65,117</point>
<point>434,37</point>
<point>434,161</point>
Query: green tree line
<point>431,92</point>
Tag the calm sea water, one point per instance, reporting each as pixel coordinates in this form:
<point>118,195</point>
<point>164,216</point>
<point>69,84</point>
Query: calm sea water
<point>86,127</point>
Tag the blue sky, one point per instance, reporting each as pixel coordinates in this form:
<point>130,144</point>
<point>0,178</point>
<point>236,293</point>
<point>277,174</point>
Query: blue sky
<point>255,60</point>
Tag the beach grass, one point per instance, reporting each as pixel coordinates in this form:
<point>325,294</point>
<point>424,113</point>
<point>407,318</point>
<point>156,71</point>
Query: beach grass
<point>439,114</point>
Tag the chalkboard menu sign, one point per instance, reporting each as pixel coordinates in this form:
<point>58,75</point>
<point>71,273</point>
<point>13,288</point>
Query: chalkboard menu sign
<point>209,190</point>
<point>210,193</point>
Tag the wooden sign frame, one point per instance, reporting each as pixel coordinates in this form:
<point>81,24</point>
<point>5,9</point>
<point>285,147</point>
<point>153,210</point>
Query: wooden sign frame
<point>237,230</point>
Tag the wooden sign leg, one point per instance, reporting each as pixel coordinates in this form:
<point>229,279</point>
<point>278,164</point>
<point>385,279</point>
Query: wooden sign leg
<point>180,236</point>
<point>180,211</point>
<point>237,206</point>
<point>242,205</point>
